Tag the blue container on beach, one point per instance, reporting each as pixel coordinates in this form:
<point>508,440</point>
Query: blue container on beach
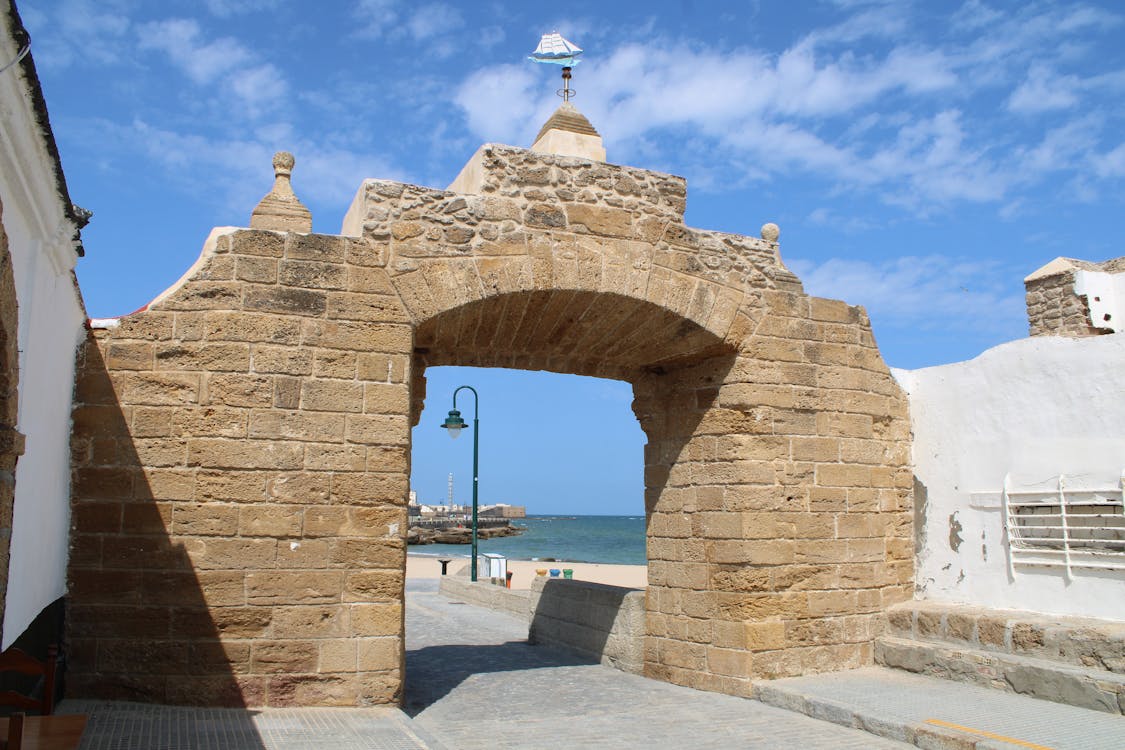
<point>555,572</point>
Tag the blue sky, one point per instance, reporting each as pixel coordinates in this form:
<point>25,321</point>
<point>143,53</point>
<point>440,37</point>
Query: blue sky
<point>921,158</point>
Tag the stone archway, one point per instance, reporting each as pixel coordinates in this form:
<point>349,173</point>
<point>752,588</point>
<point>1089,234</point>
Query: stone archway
<point>245,440</point>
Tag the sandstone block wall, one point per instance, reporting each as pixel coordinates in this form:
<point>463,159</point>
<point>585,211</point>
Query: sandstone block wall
<point>244,442</point>
<point>606,623</point>
<point>240,477</point>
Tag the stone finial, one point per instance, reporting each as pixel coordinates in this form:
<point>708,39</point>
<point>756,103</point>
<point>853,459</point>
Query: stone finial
<point>281,210</point>
<point>770,232</point>
<point>568,133</point>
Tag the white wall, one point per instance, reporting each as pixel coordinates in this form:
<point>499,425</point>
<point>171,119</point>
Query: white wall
<point>1034,409</point>
<point>51,318</point>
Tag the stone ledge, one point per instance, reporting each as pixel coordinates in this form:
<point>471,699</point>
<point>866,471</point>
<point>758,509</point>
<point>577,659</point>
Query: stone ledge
<point>485,594</point>
<point>1076,641</point>
<point>1038,678</point>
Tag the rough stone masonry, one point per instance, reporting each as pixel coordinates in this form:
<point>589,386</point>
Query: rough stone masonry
<point>241,447</point>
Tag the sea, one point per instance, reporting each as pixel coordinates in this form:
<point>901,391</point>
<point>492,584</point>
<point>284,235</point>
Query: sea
<point>594,539</point>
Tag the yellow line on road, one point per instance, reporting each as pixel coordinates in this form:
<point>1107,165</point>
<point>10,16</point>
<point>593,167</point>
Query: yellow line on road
<point>990,735</point>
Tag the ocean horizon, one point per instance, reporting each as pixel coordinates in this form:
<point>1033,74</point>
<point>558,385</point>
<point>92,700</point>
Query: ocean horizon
<point>617,540</point>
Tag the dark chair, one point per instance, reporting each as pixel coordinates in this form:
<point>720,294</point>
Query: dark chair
<point>15,731</point>
<point>15,660</point>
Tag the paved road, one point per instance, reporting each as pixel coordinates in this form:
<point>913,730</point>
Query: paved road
<point>473,682</point>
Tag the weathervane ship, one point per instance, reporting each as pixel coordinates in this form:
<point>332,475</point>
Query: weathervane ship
<point>555,50</point>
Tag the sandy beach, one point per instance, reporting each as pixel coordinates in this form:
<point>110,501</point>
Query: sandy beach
<point>631,576</point>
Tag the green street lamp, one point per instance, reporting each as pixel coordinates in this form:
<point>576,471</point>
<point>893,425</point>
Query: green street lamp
<point>454,423</point>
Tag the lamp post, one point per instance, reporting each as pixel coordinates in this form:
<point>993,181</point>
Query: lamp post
<point>454,423</point>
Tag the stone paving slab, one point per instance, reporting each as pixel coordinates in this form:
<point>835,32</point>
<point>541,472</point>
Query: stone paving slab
<point>115,725</point>
<point>473,682</point>
<point>931,712</point>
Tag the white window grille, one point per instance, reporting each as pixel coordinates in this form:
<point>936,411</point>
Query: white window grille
<point>1065,527</point>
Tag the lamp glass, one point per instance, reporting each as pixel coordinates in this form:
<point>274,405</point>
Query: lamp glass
<point>454,423</point>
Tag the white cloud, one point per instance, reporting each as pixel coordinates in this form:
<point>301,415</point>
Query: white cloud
<point>256,88</point>
<point>434,20</point>
<point>884,22</point>
<point>1062,148</point>
<point>1111,164</point>
<point>498,102</point>
<point>326,175</point>
<point>920,292</point>
<point>374,17</point>
<point>78,32</point>
<point>259,89</point>
<point>911,120</point>
<point>181,40</point>
<point>1044,90</point>
<point>228,8</point>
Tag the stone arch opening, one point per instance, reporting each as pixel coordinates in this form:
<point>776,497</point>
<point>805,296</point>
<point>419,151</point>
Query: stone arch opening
<point>268,400</point>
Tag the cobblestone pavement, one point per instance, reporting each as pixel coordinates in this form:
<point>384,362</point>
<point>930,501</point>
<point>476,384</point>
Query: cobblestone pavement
<point>118,725</point>
<point>473,682</point>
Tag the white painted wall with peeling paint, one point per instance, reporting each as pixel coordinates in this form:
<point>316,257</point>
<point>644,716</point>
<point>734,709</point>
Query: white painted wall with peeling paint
<point>1034,409</point>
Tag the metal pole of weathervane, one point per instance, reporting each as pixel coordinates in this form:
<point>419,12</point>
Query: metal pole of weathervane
<point>454,423</point>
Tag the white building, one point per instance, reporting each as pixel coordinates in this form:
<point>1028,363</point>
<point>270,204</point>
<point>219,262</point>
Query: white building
<point>42,321</point>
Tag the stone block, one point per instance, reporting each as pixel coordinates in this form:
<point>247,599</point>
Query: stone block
<point>213,553</point>
<point>369,489</point>
<point>334,363</point>
<point>296,425</point>
<point>379,654</point>
<point>252,327</point>
<point>378,429</point>
<point>337,655</point>
<point>367,553</point>
<point>282,360</point>
<point>260,270</point>
<point>220,453</point>
<point>277,521</point>
<point>382,619</point>
<point>373,585</point>
<point>293,587</point>
<point>240,390</point>
<point>310,621</point>
<point>358,336</point>
<point>272,657</point>
<point>285,300</point>
<point>304,488</point>
<point>211,357</point>
<point>332,396</point>
<point>159,389</point>
<point>204,519</point>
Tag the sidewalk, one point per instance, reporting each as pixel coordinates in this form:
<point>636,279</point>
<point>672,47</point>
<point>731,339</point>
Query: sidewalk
<point>918,709</point>
<point>472,682</point>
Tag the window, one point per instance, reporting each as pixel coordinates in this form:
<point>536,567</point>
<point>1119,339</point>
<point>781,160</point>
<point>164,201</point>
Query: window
<point>1070,528</point>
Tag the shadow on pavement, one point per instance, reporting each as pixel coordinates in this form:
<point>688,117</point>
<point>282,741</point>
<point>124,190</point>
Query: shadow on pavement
<point>433,672</point>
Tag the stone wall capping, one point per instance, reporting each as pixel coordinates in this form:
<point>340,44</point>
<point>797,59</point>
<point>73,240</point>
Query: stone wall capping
<point>281,209</point>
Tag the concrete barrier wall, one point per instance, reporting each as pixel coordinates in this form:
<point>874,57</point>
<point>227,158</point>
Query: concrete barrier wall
<point>604,622</point>
<point>485,594</point>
